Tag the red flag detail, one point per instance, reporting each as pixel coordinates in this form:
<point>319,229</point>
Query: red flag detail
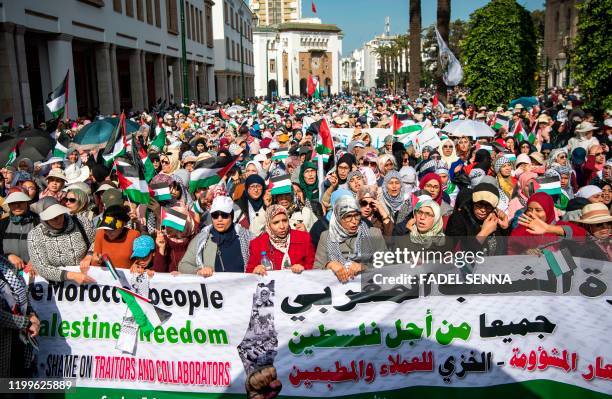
<point>435,100</point>
<point>313,7</point>
<point>291,110</point>
<point>311,85</point>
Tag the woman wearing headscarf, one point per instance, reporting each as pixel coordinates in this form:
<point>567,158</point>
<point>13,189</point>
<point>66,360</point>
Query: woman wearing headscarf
<point>17,321</point>
<point>525,147</point>
<point>169,163</point>
<point>60,240</point>
<point>171,244</point>
<point>463,148</point>
<point>373,212</point>
<point>503,170</point>
<point>512,145</point>
<point>559,156</point>
<point>252,203</point>
<point>432,184</point>
<point>344,166</point>
<point>349,242</point>
<point>596,220</point>
<point>448,153</point>
<point>539,229</point>
<point>525,188</point>
<point>394,196</point>
<point>309,185</point>
<point>300,216</point>
<point>386,163</point>
<point>425,228</point>
<point>222,246</point>
<point>15,228</point>
<point>285,247</point>
<point>476,225</point>
<point>77,201</point>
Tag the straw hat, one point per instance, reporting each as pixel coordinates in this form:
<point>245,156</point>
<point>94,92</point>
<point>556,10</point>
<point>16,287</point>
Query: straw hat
<point>595,213</point>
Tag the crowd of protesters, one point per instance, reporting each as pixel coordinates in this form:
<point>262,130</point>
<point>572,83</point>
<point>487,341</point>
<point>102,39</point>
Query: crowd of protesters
<point>468,193</point>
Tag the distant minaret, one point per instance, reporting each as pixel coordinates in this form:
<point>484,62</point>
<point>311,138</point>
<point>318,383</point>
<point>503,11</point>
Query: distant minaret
<point>387,25</point>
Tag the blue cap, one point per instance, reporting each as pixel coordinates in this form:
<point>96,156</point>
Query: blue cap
<point>142,247</point>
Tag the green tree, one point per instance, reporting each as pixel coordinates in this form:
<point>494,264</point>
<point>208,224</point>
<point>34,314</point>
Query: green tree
<point>590,59</point>
<point>499,53</point>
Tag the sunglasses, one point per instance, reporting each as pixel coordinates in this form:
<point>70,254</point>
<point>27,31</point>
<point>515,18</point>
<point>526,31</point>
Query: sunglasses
<point>447,146</point>
<point>365,203</point>
<point>71,200</point>
<point>165,163</point>
<point>216,215</point>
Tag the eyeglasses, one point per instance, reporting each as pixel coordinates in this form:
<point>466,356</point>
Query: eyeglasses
<point>364,203</point>
<point>447,146</point>
<point>562,156</point>
<point>424,214</point>
<point>165,163</point>
<point>219,214</point>
<point>353,217</point>
<point>71,200</point>
<point>432,186</point>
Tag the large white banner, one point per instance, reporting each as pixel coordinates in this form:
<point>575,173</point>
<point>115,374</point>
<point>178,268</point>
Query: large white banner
<point>331,339</point>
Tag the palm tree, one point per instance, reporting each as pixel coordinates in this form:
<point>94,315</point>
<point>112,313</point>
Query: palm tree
<point>443,23</point>
<point>403,42</point>
<point>415,48</point>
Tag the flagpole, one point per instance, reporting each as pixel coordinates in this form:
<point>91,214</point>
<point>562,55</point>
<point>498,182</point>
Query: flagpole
<point>67,96</point>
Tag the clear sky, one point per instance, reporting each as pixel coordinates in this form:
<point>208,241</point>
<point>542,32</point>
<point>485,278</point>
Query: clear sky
<point>361,20</point>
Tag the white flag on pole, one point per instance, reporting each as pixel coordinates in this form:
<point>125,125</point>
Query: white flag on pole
<point>453,73</point>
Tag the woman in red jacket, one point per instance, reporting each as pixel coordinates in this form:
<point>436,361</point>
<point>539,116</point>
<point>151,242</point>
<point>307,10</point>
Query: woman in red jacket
<point>286,248</point>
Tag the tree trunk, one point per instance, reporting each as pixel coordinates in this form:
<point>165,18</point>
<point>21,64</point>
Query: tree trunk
<point>443,23</point>
<point>415,49</point>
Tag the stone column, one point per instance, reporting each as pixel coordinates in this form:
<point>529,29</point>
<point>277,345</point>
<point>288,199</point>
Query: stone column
<point>159,72</point>
<point>105,83</point>
<point>45,78</point>
<point>60,61</point>
<point>10,94</point>
<point>24,81</point>
<point>210,71</point>
<point>143,75</point>
<point>114,79</point>
<point>191,72</point>
<point>136,80</point>
<point>203,82</point>
<point>177,81</point>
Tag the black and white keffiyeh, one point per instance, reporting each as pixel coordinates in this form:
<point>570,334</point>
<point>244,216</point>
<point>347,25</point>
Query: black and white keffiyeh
<point>337,234</point>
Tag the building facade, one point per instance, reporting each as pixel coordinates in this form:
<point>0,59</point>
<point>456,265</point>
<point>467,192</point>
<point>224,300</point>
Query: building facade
<point>353,72</point>
<point>120,54</point>
<point>274,12</point>
<point>233,35</point>
<point>286,54</point>
<point>559,33</point>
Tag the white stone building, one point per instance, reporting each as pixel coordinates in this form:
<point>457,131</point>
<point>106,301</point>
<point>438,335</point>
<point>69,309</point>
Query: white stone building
<point>233,33</point>
<point>121,54</point>
<point>286,54</point>
<point>353,71</point>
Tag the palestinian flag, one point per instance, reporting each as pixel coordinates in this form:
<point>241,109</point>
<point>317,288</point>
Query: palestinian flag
<point>560,262</point>
<point>59,98</point>
<point>60,150</point>
<point>117,145</point>
<point>313,87</point>
<point>518,131</point>
<point>139,155</point>
<point>501,121</point>
<point>326,145</point>
<point>210,171</point>
<point>197,208</point>
<point>133,183</point>
<point>402,125</point>
<point>159,142</point>
<point>161,191</point>
<point>146,315</point>
<point>223,115</point>
<point>510,156</point>
<point>173,219</point>
<point>280,185</point>
<point>7,125</point>
<point>549,185</point>
<point>14,153</point>
<point>280,154</point>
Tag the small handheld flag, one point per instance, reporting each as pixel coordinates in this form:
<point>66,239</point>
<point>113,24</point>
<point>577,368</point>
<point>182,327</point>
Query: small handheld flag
<point>173,219</point>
